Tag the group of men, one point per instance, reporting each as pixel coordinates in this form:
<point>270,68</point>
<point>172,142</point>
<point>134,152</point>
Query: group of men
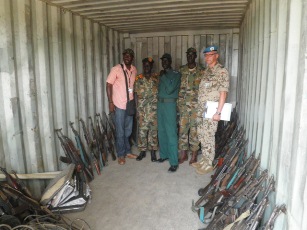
<point>160,97</point>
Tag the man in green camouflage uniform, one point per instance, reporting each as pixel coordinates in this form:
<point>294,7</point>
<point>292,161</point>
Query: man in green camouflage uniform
<point>146,89</point>
<point>191,75</point>
<point>213,87</point>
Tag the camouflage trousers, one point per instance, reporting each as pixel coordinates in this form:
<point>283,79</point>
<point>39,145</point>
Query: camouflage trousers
<point>148,131</point>
<point>187,135</point>
<point>147,139</point>
<point>206,130</point>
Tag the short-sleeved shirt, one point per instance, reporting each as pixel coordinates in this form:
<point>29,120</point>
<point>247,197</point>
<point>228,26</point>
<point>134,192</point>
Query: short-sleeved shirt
<point>117,79</point>
<point>214,81</point>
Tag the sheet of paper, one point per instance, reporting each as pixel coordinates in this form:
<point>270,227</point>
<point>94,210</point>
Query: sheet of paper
<point>211,108</point>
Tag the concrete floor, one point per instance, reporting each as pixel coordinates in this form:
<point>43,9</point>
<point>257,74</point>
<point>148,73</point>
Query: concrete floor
<point>143,195</point>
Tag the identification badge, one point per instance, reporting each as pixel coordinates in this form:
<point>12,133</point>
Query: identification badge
<point>130,90</point>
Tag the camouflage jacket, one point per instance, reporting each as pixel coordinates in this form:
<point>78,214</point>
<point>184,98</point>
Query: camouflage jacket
<point>146,91</point>
<point>188,93</point>
<point>214,81</point>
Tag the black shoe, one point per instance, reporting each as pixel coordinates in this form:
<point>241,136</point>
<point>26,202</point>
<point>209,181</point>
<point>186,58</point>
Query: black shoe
<point>153,156</point>
<point>160,160</point>
<point>141,156</point>
<point>173,168</point>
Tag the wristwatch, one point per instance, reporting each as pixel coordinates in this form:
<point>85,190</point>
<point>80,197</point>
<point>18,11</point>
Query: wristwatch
<point>218,113</point>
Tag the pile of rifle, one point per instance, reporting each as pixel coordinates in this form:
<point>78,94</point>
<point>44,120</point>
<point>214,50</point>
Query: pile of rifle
<point>18,208</point>
<point>100,143</point>
<point>237,196</point>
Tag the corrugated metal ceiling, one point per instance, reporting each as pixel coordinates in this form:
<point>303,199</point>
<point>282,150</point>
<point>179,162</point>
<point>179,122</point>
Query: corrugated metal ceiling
<point>136,16</point>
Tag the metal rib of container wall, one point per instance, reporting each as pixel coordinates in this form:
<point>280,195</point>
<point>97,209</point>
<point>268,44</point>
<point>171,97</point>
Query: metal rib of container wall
<point>53,70</point>
<point>272,89</point>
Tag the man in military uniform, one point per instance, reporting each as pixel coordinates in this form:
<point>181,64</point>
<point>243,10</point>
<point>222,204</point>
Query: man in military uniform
<point>169,83</point>
<point>213,87</point>
<point>146,89</point>
<point>187,104</point>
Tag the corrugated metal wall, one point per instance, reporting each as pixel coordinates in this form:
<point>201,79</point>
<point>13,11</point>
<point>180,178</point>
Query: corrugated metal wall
<point>272,92</point>
<point>53,70</point>
<point>177,43</point>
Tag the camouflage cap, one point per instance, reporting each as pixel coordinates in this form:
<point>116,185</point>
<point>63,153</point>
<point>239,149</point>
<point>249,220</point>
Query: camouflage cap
<point>129,51</point>
<point>148,59</point>
<point>210,48</point>
<point>167,56</point>
<point>191,50</point>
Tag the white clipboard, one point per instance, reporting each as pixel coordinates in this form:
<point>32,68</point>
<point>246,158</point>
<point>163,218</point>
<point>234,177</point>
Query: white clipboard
<point>211,107</point>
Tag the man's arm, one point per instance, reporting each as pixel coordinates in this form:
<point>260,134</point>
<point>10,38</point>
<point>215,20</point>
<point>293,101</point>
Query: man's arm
<point>109,89</point>
<point>222,100</point>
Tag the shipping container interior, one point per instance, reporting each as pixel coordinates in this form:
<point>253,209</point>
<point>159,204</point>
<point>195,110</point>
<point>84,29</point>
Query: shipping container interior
<point>55,56</point>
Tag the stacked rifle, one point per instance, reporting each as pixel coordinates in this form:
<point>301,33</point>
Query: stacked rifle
<point>70,190</point>
<point>237,195</point>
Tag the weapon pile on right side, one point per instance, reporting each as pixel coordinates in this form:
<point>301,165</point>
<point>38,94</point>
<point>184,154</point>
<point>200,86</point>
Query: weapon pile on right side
<point>238,193</point>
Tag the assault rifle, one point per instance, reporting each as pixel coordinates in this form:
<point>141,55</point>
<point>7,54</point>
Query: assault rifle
<point>101,140</point>
<point>107,137</point>
<point>97,144</point>
<point>94,157</point>
<point>73,154</point>
<point>84,156</point>
<point>269,225</point>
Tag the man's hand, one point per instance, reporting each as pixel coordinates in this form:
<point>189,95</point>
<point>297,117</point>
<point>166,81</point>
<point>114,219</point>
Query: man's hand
<point>111,107</point>
<point>216,117</point>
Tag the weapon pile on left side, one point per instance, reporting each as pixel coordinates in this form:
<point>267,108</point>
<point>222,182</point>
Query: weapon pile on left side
<point>69,191</point>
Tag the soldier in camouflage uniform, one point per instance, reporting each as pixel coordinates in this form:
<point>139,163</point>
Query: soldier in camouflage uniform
<point>191,75</point>
<point>213,87</point>
<point>146,89</point>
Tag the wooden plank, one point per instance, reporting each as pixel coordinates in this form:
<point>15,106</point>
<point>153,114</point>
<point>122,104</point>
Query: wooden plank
<point>191,41</point>
<point>150,47</point>
<point>210,40</point>
<point>34,176</point>
<point>155,53</point>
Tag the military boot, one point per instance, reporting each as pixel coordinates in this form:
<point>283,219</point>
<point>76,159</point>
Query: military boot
<point>153,155</point>
<point>141,155</point>
<point>183,156</point>
<point>194,157</point>
<point>205,168</point>
<point>199,163</point>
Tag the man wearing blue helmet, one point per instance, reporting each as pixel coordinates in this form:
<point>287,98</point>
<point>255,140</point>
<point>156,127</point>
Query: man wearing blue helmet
<point>213,87</point>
